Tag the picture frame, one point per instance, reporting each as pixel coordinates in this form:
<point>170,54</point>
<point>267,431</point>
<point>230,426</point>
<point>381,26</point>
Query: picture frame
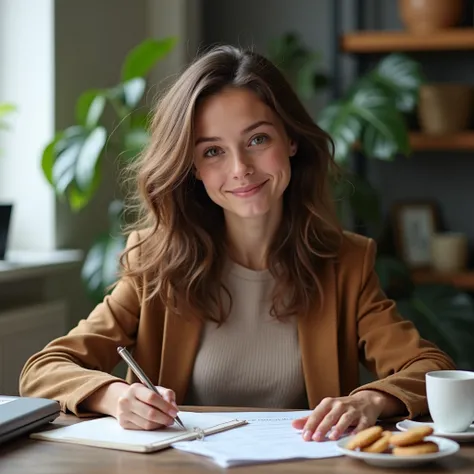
<point>414,222</point>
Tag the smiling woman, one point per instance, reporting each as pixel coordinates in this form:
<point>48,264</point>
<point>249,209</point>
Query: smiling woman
<point>239,286</point>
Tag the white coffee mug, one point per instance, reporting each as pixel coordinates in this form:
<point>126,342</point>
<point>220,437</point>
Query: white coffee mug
<point>450,396</point>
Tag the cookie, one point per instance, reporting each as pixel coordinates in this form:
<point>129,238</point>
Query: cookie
<point>379,446</point>
<point>365,438</point>
<point>411,436</point>
<point>426,447</point>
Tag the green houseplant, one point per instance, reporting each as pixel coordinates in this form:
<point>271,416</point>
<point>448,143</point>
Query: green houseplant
<point>72,161</point>
<point>371,114</point>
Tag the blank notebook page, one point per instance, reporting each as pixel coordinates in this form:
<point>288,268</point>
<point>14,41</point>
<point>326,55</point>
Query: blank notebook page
<point>107,430</point>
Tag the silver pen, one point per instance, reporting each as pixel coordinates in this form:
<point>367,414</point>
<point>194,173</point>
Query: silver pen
<point>127,357</point>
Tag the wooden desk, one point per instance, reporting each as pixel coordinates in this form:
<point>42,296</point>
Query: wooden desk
<point>29,456</point>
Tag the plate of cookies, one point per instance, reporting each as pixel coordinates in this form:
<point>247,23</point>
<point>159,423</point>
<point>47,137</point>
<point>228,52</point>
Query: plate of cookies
<point>397,449</point>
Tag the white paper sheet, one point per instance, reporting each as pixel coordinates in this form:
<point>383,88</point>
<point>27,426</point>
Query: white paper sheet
<point>268,437</point>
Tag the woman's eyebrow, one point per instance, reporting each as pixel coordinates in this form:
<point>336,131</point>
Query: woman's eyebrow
<point>244,131</point>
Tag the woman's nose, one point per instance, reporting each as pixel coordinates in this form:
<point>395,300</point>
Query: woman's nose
<point>241,166</point>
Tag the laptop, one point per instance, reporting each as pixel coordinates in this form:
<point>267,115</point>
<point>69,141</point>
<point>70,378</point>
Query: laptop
<point>20,415</point>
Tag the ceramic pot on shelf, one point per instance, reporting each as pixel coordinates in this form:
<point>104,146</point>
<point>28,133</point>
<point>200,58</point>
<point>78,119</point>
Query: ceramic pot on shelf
<point>449,251</point>
<point>428,16</point>
<point>445,108</point>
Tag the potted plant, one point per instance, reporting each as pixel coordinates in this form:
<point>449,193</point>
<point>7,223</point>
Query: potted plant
<point>371,115</point>
<point>72,161</point>
<point>5,208</point>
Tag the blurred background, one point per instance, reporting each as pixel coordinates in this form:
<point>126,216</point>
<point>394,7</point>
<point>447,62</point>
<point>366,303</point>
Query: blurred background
<point>390,80</point>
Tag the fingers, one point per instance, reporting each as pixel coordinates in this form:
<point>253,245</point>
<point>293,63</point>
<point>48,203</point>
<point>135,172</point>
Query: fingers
<point>299,423</point>
<point>310,430</point>
<point>141,408</point>
<point>332,417</point>
<point>347,419</point>
<point>168,395</point>
<point>363,423</point>
<point>133,421</point>
<point>151,398</point>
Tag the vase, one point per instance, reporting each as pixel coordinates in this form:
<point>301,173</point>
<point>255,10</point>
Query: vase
<point>428,16</point>
<point>445,108</point>
<point>449,251</point>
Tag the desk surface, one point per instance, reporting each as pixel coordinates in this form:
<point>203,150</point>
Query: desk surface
<point>24,455</point>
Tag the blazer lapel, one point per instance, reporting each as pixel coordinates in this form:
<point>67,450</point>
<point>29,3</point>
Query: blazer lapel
<point>180,344</point>
<point>317,333</point>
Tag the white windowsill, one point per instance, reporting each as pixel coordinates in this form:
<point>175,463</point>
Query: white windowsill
<point>31,264</point>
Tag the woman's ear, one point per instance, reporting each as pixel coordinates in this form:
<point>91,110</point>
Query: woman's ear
<point>293,147</point>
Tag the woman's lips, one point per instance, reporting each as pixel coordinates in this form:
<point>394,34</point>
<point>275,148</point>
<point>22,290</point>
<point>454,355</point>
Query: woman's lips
<point>247,191</point>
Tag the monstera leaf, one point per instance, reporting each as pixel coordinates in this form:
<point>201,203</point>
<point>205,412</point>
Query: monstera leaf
<point>101,265</point>
<point>369,115</point>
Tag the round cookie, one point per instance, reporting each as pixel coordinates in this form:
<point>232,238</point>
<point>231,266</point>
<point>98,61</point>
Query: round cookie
<point>416,449</point>
<point>379,446</point>
<point>411,436</point>
<point>365,438</point>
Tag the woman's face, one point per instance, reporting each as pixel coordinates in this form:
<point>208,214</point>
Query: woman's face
<point>242,153</point>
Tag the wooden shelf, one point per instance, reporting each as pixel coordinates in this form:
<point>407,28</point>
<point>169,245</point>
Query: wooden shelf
<point>454,39</point>
<point>458,141</point>
<point>462,280</point>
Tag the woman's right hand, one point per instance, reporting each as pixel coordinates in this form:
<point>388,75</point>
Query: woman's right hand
<point>136,407</point>
<point>139,408</point>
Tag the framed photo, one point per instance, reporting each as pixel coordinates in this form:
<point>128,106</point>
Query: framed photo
<point>414,223</point>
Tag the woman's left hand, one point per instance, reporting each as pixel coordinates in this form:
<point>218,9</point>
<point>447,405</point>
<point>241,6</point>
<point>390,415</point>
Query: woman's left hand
<point>338,414</point>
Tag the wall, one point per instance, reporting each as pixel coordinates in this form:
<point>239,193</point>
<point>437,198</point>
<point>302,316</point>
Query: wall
<point>27,80</point>
<point>444,176</point>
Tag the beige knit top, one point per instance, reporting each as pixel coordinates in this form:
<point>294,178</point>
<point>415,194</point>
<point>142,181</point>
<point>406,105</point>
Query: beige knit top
<point>252,360</point>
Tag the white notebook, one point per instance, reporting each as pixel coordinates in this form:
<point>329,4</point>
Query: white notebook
<point>107,433</point>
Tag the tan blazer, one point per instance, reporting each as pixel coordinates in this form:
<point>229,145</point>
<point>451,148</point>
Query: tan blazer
<point>356,323</point>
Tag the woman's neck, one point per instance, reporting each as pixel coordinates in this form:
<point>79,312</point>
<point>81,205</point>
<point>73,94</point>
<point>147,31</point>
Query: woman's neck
<point>249,239</point>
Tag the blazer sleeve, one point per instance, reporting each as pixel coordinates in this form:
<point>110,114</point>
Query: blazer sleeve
<point>72,367</point>
<point>391,347</point>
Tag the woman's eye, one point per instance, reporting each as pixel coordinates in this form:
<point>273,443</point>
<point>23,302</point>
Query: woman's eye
<point>259,140</point>
<point>211,152</point>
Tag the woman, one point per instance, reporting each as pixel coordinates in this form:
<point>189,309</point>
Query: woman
<point>240,288</point>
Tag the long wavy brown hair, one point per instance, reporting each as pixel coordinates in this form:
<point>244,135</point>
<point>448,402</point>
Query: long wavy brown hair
<point>182,249</point>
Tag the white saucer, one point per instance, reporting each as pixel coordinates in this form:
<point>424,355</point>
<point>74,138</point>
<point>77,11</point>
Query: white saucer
<point>446,448</point>
<point>465,436</point>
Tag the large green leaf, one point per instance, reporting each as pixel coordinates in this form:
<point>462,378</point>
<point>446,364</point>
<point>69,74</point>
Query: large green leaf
<point>367,114</point>
<point>344,127</point>
<point>78,198</point>
<point>74,156</point>
<point>89,108</point>
<point>400,77</point>
<point>299,64</point>
<point>143,57</point>
<point>384,131</point>
<point>444,316</point>
<point>127,95</point>
<point>135,140</point>
<point>101,266</point>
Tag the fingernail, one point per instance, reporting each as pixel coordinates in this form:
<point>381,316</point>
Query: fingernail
<point>334,434</point>
<point>172,412</point>
<point>307,435</point>
<point>317,436</point>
